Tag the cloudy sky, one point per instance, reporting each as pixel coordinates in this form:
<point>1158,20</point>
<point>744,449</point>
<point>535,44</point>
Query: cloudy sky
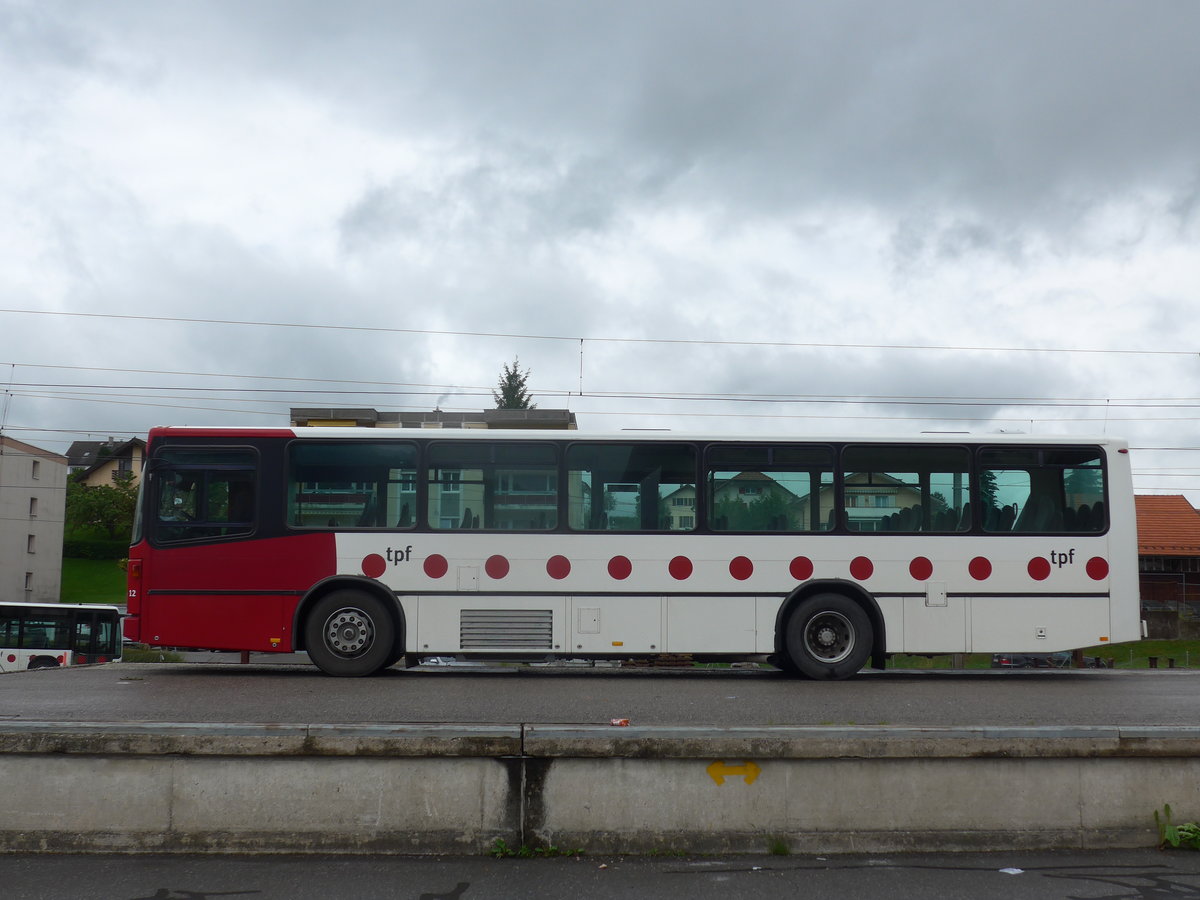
<point>804,218</point>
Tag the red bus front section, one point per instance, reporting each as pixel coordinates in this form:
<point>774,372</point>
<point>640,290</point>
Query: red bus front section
<point>239,595</point>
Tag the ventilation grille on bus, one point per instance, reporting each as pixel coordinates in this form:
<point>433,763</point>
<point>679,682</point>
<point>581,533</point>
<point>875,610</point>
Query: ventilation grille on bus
<point>483,629</point>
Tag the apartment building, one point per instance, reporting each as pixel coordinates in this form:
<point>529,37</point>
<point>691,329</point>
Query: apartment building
<point>33,497</point>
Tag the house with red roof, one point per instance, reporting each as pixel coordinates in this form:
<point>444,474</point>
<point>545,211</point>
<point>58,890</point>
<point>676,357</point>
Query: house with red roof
<point>1168,529</point>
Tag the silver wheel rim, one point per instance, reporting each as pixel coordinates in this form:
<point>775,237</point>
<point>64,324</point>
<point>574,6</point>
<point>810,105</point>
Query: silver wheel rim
<point>349,631</point>
<point>829,637</point>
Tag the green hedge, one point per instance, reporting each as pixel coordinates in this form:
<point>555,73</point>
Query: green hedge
<point>76,548</point>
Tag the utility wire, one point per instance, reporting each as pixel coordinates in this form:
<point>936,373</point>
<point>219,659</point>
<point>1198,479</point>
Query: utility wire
<point>444,388</point>
<point>575,339</point>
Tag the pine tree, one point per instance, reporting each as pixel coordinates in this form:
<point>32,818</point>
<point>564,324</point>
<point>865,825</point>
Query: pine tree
<point>511,392</point>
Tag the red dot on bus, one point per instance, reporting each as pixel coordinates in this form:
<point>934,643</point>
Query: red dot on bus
<point>980,568</point>
<point>12,657</point>
<point>620,568</point>
<point>436,566</point>
<point>861,568</point>
<point>558,567</point>
<point>680,568</point>
<point>921,569</point>
<point>801,568</point>
<point>496,567</point>
<point>1039,568</point>
<point>741,568</point>
<point>373,565</point>
<point>1097,568</point>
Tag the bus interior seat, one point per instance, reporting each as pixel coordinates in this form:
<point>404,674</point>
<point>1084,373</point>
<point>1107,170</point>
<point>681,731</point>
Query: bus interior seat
<point>1008,518</point>
<point>1080,518</point>
<point>1030,516</point>
<point>964,523</point>
<point>367,518</point>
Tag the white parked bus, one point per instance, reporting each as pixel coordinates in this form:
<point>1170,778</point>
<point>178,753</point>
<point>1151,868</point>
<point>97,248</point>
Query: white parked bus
<point>48,635</point>
<point>365,547</point>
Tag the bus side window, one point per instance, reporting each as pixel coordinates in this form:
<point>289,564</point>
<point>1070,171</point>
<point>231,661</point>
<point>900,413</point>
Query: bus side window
<point>769,489</point>
<point>1035,491</point>
<point>631,487</point>
<point>906,489</point>
<point>500,486</point>
<point>351,484</point>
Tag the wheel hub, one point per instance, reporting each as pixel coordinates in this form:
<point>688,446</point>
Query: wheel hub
<point>349,631</point>
<point>826,636</point>
<point>830,637</point>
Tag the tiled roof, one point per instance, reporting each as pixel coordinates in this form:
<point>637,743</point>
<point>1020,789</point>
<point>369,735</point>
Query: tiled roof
<point>85,454</point>
<point>1167,526</point>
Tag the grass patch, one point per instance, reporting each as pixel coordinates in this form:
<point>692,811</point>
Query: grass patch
<point>501,850</point>
<point>946,661</point>
<point>1137,655</point>
<point>143,654</point>
<point>1124,656</point>
<point>92,581</point>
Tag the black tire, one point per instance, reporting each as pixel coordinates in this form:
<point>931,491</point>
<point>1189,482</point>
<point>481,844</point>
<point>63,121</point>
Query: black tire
<point>829,636</point>
<point>43,662</point>
<point>350,633</point>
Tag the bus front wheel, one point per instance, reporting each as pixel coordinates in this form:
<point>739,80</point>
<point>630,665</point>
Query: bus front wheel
<point>828,637</point>
<point>350,633</point>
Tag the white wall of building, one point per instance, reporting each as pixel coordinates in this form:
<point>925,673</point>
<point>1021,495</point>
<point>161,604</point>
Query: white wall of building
<point>33,498</point>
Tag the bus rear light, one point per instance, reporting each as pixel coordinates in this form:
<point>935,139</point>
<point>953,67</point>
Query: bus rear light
<point>135,568</point>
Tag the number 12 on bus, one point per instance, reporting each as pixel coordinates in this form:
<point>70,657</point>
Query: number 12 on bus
<point>365,548</point>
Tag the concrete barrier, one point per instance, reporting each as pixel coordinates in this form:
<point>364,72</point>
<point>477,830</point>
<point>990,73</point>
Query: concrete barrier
<point>459,789</point>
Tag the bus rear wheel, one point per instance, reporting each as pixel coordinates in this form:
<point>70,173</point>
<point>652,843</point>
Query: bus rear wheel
<point>350,633</point>
<point>829,636</point>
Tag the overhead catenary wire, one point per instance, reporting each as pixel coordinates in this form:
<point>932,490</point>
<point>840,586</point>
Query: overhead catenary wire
<point>292,391</point>
<point>1170,402</point>
<point>607,339</point>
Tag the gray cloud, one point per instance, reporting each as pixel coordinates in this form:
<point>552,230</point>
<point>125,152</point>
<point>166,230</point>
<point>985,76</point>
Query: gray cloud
<point>861,173</point>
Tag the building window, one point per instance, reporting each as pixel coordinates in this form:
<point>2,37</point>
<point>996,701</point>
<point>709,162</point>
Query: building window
<point>31,544</point>
<point>28,581</point>
<point>33,507</point>
<point>37,468</point>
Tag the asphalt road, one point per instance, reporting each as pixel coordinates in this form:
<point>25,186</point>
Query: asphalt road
<point>995,876</point>
<point>270,692</point>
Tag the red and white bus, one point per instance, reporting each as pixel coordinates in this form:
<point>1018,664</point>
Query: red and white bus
<point>49,635</point>
<point>365,547</point>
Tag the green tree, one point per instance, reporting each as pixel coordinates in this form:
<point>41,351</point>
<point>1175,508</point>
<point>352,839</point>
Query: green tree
<point>511,392</point>
<point>109,508</point>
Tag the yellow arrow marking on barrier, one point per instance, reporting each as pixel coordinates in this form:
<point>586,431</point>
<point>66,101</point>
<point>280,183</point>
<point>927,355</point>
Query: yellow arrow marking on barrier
<point>719,771</point>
